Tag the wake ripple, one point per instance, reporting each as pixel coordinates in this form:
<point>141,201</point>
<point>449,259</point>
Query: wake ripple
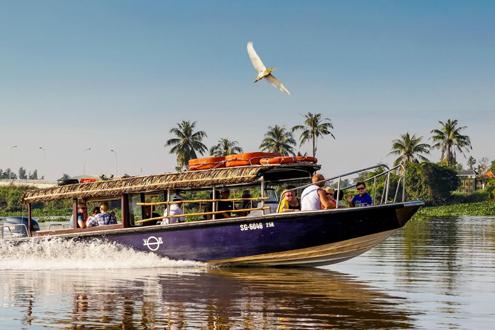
<point>56,253</point>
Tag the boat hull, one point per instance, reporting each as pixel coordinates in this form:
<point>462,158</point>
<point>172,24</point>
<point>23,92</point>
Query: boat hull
<point>302,238</point>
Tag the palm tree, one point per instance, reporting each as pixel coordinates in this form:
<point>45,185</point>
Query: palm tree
<point>278,139</point>
<point>409,149</point>
<point>313,128</point>
<point>448,139</point>
<point>186,143</point>
<point>225,147</point>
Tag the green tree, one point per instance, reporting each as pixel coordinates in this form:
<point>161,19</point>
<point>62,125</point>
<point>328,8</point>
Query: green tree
<point>187,143</point>
<point>448,139</point>
<point>34,175</point>
<point>278,139</point>
<point>430,182</point>
<point>22,173</point>
<point>313,128</point>
<point>225,147</point>
<point>409,149</point>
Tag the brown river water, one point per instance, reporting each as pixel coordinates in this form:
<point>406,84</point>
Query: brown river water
<point>435,273</point>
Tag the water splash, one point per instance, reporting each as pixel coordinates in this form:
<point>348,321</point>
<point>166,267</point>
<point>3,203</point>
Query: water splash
<point>57,253</point>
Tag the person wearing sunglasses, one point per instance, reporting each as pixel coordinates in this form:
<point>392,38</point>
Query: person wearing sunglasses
<point>362,198</point>
<point>289,202</point>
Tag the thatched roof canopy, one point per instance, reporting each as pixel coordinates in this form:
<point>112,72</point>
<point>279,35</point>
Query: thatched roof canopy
<point>143,184</point>
<point>179,180</point>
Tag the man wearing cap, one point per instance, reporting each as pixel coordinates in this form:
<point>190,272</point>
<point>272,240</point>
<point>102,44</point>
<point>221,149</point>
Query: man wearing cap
<point>175,209</point>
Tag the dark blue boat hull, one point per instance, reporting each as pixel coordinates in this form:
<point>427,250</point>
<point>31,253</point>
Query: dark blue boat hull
<point>269,240</point>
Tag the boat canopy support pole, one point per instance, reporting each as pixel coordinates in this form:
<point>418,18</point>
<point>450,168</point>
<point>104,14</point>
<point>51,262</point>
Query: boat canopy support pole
<point>213,204</point>
<point>74,213</point>
<point>262,195</point>
<point>124,204</point>
<point>338,193</point>
<point>142,198</point>
<point>168,201</point>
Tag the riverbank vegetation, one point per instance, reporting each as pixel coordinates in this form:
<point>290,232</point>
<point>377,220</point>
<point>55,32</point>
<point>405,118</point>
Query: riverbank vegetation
<point>485,208</point>
<point>11,204</point>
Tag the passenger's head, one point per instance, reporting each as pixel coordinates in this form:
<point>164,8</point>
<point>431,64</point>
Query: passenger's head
<point>329,191</point>
<point>147,211</point>
<point>361,187</point>
<point>318,179</point>
<point>289,195</point>
<point>104,207</point>
<point>176,198</point>
<point>246,194</point>
<point>293,188</point>
<point>225,193</point>
<point>96,210</point>
<point>81,207</point>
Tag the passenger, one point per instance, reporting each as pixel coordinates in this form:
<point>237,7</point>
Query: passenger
<point>314,197</point>
<point>340,194</point>
<point>294,191</point>
<point>289,202</point>
<point>175,209</point>
<point>105,217</point>
<point>82,214</point>
<point>362,198</point>
<point>91,222</point>
<point>247,203</point>
<point>330,192</point>
<point>224,205</point>
<point>148,213</point>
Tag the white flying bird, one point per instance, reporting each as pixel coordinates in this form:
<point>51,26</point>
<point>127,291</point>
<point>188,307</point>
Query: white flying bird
<point>264,72</point>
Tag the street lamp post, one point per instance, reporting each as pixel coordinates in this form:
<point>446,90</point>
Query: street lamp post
<point>12,148</point>
<point>114,151</point>
<point>43,149</point>
<point>84,160</point>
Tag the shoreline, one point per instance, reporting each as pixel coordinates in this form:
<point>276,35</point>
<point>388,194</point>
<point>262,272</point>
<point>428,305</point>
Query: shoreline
<point>485,208</point>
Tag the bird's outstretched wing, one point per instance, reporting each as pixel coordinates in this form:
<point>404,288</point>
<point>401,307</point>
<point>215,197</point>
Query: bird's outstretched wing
<point>277,84</point>
<point>255,59</point>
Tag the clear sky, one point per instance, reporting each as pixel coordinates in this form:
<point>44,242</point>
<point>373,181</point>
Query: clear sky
<point>120,74</point>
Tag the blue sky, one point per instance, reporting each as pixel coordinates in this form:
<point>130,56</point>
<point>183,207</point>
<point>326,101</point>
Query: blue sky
<point>120,74</point>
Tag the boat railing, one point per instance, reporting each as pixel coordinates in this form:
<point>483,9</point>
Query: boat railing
<point>13,233</point>
<point>197,214</point>
<point>337,181</point>
<point>212,213</point>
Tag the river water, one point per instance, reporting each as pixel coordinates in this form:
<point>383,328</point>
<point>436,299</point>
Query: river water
<point>435,273</point>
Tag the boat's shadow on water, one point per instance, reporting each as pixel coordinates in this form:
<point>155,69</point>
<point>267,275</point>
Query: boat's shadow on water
<point>204,298</point>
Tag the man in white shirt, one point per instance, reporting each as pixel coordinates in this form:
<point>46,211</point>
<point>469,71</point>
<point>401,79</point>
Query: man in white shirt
<point>314,197</point>
<point>175,209</point>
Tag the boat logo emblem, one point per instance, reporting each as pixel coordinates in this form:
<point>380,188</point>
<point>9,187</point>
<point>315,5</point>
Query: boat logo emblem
<point>153,243</point>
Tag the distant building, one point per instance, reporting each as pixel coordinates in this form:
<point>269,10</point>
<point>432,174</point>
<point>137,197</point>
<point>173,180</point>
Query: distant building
<point>482,179</point>
<point>30,183</point>
<point>468,181</point>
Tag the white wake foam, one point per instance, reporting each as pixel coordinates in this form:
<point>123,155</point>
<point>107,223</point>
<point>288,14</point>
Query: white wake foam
<point>50,254</point>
